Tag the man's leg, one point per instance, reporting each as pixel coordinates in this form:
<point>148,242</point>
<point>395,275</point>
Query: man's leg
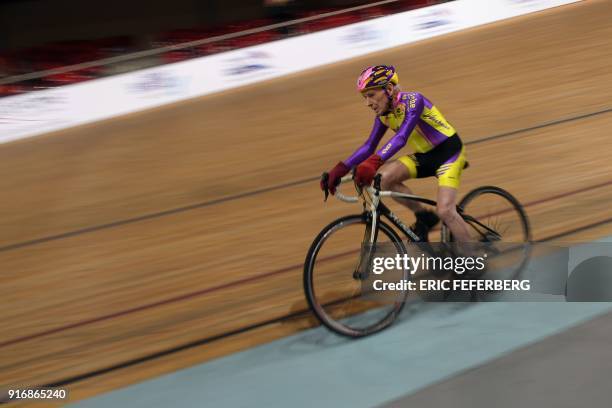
<point>447,211</point>
<point>449,176</point>
<point>393,176</point>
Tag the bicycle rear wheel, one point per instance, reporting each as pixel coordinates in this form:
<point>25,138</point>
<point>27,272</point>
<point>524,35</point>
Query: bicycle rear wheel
<point>338,297</point>
<point>500,225</point>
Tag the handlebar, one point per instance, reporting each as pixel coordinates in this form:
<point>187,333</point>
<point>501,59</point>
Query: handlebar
<point>344,197</point>
<point>373,191</point>
<point>348,178</point>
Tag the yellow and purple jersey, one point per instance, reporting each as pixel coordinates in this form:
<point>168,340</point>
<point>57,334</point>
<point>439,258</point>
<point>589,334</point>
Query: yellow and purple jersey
<point>416,122</point>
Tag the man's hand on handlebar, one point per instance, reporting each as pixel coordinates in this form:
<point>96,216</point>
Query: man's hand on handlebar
<point>367,170</point>
<point>333,177</point>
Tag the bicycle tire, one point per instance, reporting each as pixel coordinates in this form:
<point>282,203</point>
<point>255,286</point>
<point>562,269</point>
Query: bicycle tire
<point>309,290</point>
<point>446,235</point>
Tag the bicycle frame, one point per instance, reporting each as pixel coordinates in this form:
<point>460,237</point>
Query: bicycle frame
<point>376,208</point>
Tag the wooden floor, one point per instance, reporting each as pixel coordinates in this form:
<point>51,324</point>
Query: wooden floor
<point>140,234</point>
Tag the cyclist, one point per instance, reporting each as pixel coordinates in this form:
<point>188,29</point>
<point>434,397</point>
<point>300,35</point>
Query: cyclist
<point>417,122</point>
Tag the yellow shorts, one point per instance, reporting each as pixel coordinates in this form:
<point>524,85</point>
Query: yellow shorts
<point>446,170</point>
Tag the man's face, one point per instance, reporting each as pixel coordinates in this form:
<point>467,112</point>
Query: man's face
<point>377,100</point>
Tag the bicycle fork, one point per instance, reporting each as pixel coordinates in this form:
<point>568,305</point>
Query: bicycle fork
<point>368,244</point>
<point>368,248</point>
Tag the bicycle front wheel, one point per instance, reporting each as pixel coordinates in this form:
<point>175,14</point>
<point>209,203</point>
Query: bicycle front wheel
<point>335,292</point>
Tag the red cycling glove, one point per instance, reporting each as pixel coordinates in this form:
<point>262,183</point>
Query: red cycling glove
<point>335,174</point>
<point>367,170</point>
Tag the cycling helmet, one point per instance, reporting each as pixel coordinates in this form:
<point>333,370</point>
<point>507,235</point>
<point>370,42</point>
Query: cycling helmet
<point>377,76</point>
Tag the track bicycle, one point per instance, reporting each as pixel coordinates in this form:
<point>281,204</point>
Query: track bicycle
<point>340,258</point>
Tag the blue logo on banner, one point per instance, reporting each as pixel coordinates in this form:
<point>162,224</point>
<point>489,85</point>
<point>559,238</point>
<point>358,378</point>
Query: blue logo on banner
<point>361,35</point>
<point>154,81</point>
<point>253,61</point>
<point>434,19</point>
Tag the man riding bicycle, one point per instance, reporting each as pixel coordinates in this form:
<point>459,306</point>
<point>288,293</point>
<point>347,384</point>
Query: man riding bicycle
<point>438,150</point>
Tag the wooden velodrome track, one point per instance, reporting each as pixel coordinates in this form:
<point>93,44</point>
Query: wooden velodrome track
<point>134,236</point>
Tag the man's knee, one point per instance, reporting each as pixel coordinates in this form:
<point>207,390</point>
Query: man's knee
<point>392,174</point>
<point>387,182</point>
<point>446,204</point>
<point>446,211</point>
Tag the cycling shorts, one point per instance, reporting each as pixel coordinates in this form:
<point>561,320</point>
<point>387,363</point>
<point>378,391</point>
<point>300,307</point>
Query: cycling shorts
<point>446,161</point>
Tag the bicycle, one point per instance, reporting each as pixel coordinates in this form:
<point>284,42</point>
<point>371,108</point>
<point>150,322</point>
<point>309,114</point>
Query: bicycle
<point>348,312</point>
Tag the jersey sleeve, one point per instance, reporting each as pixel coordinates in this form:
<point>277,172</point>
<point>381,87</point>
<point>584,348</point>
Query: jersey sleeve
<point>364,151</point>
<point>414,104</point>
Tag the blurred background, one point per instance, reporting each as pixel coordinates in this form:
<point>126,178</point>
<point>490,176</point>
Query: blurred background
<point>40,35</point>
<point>155,214</point>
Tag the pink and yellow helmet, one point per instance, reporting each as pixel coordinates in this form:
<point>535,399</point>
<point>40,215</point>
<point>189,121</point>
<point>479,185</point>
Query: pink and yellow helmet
<point>377,76</point>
